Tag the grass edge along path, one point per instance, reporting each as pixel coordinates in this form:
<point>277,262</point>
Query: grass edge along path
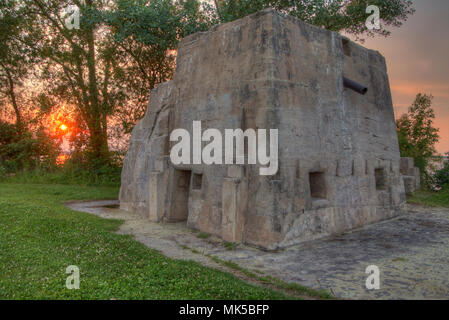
<point>430,198</point>
<point>40,238</point>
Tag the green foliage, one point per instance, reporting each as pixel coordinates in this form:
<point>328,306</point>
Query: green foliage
<point>15,61</point>
<point>441,176</point>
<point>24,150</point>
<point>291,286</point>
<point>431,198</point>
<point>40,238</point>
<point>28,157</point>
<point>106,67</point>
<point>71,173</point>
<point>335,15</point>
<point>230,245</point>
<point>145,35</point>
<point>2,172</point>
<point>159,24</point>
<point>203,235</point>
<point>123,49</point>
<point>416,133</point>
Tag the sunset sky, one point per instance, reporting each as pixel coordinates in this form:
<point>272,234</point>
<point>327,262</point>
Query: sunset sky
<point>418,61</point>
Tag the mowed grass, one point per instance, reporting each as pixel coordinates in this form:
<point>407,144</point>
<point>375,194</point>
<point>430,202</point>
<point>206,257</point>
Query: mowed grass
<point>40,238</point>
<point>430,198</point>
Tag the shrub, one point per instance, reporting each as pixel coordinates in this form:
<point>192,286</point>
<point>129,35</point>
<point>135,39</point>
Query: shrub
<point>2,173</point>
<point>32,157</point>
<point>26,150</point>
<point>441,177</point>
<point>416,132</point>
<point>70,173</point>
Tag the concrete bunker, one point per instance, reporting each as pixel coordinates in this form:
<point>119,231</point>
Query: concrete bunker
<point>284,74</point>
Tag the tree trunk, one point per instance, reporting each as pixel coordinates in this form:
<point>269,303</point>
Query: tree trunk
<point>218,8</point>
<point>12,95</point>
<point>99,150</point>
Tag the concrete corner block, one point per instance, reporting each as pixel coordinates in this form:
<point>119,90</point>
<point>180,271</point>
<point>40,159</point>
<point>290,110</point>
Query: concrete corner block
<point>406,165</point>
<point>234,204</point>
<point>409,184</point>
<point>417,178</point>
<point>154,197</point>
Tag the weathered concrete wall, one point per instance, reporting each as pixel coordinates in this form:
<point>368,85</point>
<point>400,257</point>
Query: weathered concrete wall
<point>411,175</point>
<point>338,150</point>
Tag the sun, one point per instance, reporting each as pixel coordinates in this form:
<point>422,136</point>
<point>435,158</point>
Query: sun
<point>63,127</point>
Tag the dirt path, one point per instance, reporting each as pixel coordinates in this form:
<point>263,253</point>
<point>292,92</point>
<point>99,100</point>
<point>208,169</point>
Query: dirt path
<point>411,251</point>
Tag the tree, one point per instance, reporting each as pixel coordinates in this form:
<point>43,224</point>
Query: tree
<point>28,150</point>
<point>146,35</point>
<point>15,61</point>
<point>124,48</point>
<point>70,64</point>
<point>416,133</point>
<point>107,64</point>
<point>337,15</point>
<point>25,143</point>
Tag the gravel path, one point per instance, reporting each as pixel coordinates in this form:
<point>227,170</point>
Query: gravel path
<point>411,251</point>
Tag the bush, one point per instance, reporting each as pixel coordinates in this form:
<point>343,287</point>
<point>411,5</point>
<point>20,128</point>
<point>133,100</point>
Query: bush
<point>32,157</point>
<point>70,174</point>
<point>2,173</point>
<point>441,177</point>
<point>416,132</point>
<point>26,150</point>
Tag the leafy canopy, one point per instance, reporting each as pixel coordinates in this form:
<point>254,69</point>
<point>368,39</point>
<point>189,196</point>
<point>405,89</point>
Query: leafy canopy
<point>337,15</point>
<point>416,132</point>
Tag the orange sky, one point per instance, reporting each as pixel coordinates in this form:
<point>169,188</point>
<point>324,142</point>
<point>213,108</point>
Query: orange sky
<point>417,57</point>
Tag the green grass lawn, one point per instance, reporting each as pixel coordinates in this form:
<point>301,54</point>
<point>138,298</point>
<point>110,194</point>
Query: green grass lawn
<point>430,198</point>
<point>40,238</point>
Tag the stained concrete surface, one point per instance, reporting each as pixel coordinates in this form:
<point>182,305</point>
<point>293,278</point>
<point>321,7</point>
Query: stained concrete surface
<point>411,251</point>
<point>270,71</point>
